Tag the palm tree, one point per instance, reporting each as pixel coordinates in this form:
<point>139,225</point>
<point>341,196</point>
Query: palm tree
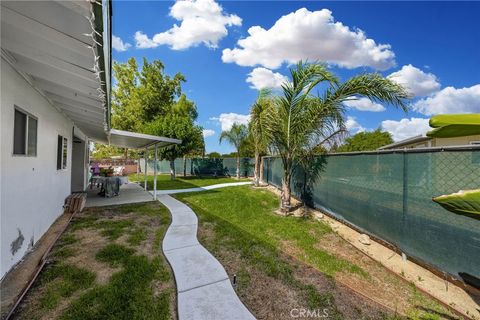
<point>299,120</point>
<point>258,132</point>
<point>235,136</point>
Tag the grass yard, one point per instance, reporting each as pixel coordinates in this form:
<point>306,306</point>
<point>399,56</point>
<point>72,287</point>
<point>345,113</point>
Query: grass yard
<point>107,265</point>
<point>286,263</point>
<point>164,182</point>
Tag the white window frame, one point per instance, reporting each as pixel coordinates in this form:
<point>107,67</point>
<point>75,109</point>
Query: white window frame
<point>28,116</point>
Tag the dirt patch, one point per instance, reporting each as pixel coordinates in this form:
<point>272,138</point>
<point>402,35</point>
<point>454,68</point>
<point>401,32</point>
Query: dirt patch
<point>90,242</point>
<point>381,285</point>
<point>93,230</point>
<point>272,298</point>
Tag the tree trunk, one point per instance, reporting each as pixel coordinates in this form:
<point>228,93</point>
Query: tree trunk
<point>125,154</point>
<point>238,166</point>
<point>184,166</point>
<point>261,171</point>
<point>285,195</point>
<point>255,172</point>
<point>172,169</point>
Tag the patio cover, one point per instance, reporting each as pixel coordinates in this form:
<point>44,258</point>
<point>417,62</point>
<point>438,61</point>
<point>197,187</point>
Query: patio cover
<point>133,140</point>
<point>63,49</point>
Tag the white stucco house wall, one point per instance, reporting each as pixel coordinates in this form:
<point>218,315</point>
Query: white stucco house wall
<point>55,99</point>
<point>55,61</point>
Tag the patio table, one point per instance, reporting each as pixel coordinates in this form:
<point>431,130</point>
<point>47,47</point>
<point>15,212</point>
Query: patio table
<point>110,186</point>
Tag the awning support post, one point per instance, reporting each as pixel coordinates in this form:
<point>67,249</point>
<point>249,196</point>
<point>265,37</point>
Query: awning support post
<point>138,169</point>
<point>145,171</point>
<point>155,174</point>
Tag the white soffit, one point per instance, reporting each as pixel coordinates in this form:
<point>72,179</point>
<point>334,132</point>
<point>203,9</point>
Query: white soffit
<point>133,140</point>
<point>52,44</point>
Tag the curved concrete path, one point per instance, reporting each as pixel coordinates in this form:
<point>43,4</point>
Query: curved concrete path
<point>204,289</point>
<point>214,186</point>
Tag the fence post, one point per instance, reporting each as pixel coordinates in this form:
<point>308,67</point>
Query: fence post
<point>404,199</point>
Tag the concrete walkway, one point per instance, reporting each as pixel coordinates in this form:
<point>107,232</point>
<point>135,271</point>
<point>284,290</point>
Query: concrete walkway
<point>204,289</point>
<point>214,186</point>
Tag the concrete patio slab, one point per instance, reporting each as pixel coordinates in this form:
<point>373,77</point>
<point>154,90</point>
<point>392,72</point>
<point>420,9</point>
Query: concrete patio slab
<point>212,187</point>
<point>216,301</point>
<point>204,289</point>
<point>129,193</point>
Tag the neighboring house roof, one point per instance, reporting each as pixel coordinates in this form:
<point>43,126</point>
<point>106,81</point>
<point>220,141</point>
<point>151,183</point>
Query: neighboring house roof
<point>401,143</point>
<point>63,49</point>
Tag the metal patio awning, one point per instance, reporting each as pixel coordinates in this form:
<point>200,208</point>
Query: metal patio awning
<point>133,140</point>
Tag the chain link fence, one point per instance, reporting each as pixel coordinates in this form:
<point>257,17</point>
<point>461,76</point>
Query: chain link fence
<point>203,166</point>
<point>389,195</point>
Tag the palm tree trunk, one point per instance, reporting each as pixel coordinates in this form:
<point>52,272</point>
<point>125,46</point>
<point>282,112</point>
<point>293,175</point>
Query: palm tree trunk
<point>172,169</point>
<point>238,165</point>
<point>285,195</point>
<point>261,171</point>
<point>184,166</point>
<point>255,173</point>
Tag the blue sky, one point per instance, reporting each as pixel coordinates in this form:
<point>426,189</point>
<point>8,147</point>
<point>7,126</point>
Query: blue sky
<point>432,48</point>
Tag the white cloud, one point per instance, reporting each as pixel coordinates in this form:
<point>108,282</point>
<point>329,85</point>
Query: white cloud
<point>202,21</point>
<point>417,82</point>
<point>451,100</point>
<point>208,133</point>
<point>306,35</point>
<point>406,128</point>
<point>227,120</point>
<point>364,104</point>
<point>143,42</point>
<point>119,45</point>
<point>261,78</point>
<point>353,126</point>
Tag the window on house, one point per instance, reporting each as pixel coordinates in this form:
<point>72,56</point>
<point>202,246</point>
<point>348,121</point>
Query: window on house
<point>62,152</point>
<point>24,134</point>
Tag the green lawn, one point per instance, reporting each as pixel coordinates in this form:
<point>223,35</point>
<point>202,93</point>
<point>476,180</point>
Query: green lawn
<point>165,183</point>
<point>241,221</point>
<point>248,214</point>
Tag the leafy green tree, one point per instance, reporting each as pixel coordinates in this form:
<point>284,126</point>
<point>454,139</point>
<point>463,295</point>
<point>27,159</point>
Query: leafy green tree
<point>299,120</point>
<point>236,136</point>
<point>139,97</point>
<point>214,155</point>
<point>101,151</point>
<point>366,141</point>
<point>185,107</point>
<point>229,155</point>
<point>258,132</point>
<point>179,127</point>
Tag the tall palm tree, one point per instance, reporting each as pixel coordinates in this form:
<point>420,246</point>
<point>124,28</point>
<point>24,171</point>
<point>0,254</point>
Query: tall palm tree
<point>299,119</point>
<point>235,136</point>
<point>258,132</point>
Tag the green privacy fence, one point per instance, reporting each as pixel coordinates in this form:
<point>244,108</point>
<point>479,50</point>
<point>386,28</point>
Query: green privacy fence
<point>389,195</point>
<point>204,166</point>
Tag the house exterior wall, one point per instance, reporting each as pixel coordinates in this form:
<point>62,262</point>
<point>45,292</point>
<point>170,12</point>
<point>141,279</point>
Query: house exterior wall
<point>458,141</point>
<point>32,189</point>
<point>439,142</point>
